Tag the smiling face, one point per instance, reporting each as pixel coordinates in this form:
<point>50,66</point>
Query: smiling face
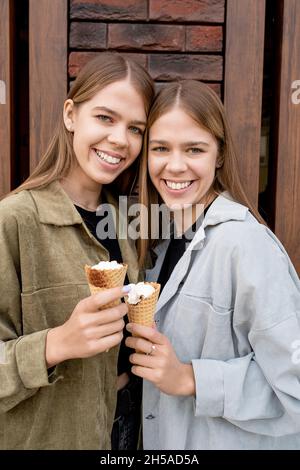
<point>181,159</point>
<point>108,131</point>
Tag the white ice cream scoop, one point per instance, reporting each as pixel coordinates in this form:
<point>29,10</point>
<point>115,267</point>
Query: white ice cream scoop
<point>103,265</point>
<point>139,291</point>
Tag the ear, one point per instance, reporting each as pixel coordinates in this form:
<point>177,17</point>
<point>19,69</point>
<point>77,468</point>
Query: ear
<point>219,161</point>
<point>68,115</point>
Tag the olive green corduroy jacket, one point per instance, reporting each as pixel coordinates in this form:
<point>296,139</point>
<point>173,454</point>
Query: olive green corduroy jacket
<point>44,246</point>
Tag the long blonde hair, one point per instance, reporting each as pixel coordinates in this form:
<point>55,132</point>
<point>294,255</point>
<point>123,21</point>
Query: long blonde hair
<point>203,105</point>
<point>59,158</point>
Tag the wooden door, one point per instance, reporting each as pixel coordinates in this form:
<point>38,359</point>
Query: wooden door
<point>243,84</point>
<point>6,95</point>
<point>243,80</point>
<point>287,209</point>
<point>48,55</point>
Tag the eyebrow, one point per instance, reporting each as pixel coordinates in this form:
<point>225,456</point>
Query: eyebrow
<point>185,144</point>
<point>117,115</point>
<point>191,144</point>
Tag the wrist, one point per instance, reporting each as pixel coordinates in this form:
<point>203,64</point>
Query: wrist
<point>187,386</point>
<point>54,353</point>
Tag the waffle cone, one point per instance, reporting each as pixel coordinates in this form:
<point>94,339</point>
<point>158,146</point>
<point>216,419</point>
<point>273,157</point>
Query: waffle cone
<point>102,279</point>
<point>143,312</point>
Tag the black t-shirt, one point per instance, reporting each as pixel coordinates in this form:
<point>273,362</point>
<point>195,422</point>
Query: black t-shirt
<point>176,249</point>
<point>91,219</point>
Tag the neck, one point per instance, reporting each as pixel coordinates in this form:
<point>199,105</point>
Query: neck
<point>83,195</point>
<point>187,216</point>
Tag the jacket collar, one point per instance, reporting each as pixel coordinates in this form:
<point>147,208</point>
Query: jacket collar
<point>54,206</point>
<point>223,209</point>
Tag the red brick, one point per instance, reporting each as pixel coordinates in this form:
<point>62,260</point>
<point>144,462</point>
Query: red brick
<point>198,67</point>
<point>204,38</point>
<point>78,59</point>
<point>88,35</point>
<point>187,10</point>
<point>109,9</point>
<point>146,36</point>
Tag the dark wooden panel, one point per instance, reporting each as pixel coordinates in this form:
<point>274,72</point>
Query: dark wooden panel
<point>5,97</point>
<point>287,216</point>
<point>48,30</point>
<point>243,84</point>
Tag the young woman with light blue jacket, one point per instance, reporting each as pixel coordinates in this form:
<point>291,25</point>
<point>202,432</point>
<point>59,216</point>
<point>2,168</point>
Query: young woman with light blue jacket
<point>222,366</point>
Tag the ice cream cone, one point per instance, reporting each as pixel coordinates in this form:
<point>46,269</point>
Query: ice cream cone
<point>102,279</point>
<point>143,312</point>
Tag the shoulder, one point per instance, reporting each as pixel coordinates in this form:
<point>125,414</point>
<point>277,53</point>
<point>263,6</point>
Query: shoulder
<point>249,245</point>
<point>247,233</point>
<point>17,208</point>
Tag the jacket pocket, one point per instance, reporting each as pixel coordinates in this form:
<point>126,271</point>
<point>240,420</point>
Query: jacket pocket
<point>204,331</point>
<point>51,307</point>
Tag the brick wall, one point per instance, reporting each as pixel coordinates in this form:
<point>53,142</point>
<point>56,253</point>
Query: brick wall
<point>171,38</point>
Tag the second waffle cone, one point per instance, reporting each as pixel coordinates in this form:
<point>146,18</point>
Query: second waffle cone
<point>143,312</point>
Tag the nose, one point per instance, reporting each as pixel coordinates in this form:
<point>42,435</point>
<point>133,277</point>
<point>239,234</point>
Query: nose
<point>118,136</point>
<point>176,163</point>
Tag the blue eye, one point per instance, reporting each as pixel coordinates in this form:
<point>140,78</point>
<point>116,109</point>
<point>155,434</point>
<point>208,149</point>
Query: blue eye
<point>159,149</point>
<point>136,130</point>
<point>104,118</point>
<point>194,150</point>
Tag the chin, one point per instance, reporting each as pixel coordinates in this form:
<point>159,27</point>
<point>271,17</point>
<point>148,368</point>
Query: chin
<point>179,202</point>
<point>103,179</point>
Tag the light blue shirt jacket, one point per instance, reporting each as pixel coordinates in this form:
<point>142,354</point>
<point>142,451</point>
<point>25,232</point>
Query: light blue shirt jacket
<point>231,308</point>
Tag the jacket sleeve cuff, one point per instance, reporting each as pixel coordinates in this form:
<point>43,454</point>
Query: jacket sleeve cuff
<point>31,361</point>
<point>209,400</point>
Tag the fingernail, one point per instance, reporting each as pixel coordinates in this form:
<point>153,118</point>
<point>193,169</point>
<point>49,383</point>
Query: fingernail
<point>126,289</point>
<point>128,327</point>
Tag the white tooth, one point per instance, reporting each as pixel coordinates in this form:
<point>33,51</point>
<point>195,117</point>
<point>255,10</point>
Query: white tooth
<point>173,185</point>
<point>108,158</point>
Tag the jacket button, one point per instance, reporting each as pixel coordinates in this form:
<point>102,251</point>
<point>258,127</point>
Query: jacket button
<point>150,416</point>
